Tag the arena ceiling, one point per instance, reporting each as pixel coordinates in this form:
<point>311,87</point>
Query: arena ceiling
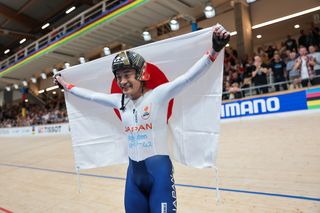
<point>24,18</point>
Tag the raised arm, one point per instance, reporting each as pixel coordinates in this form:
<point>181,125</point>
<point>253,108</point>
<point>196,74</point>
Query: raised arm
<point>220,37</point>
<point>110,100</point>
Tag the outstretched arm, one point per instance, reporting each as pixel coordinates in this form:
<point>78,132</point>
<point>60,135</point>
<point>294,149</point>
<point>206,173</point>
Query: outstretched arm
<point>110,100</point>
<point>220,37</point>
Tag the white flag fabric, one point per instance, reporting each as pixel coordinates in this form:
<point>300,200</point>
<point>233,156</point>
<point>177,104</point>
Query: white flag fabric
<point>97,134</point>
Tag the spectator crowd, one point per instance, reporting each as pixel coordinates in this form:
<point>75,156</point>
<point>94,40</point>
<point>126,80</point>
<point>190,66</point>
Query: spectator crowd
<point>35,114</point>
<point>292,65</point>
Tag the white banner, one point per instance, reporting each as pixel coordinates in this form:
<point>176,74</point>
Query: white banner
<point>16,131</point>
<point>97,134</point>
<point>51,129</point>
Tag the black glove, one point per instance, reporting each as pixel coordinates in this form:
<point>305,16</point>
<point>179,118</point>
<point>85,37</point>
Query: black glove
<point>56,82</point>
<point>218,43</point>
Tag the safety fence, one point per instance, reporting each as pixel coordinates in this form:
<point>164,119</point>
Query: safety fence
<point>268,88</point>
<point>307,99</point>
<point>43,130</point>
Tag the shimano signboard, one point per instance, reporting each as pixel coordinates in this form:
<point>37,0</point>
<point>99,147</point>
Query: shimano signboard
<point>265,105</point>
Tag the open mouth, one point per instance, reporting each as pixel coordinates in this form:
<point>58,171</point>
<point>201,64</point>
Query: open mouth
<point>126,87</point>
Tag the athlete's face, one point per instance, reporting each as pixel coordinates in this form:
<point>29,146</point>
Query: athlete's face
<point>130,86</point>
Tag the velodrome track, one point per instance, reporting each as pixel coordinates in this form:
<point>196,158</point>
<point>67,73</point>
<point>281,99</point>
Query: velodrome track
<point>265,165</point>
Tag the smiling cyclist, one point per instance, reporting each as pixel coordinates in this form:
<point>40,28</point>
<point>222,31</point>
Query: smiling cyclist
<point>150,184</point>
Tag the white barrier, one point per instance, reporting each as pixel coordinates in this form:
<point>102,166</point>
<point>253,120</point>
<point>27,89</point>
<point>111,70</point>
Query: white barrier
<point>52,129</point>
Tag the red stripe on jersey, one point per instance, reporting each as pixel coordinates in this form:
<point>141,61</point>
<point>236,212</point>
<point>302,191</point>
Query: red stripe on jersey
<point>212,54</point>
<point>70,86</point>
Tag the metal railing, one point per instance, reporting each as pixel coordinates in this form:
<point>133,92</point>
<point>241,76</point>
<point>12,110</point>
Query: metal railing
<point>97,11</point>
<point>256,90</point>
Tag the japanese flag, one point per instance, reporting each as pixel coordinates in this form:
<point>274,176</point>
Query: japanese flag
<point>97,134</point>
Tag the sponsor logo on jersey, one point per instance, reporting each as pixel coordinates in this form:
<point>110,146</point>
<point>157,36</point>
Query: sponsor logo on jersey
<point>250,107</point>
<point>138,128</point>
<point>146,112</point>
<point>139,140</point>
<point>164,208</point>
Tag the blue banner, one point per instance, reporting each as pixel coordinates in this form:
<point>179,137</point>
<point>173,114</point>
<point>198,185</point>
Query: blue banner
<point>265,105</point>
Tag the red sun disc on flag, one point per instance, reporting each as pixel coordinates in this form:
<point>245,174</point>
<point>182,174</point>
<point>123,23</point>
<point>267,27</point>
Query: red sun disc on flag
<point>157,77</point>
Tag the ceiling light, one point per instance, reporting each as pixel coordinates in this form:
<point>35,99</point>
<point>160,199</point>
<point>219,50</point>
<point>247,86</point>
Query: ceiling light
<point>174,25</point>
<point>16,86</point>
<point>250,1</point>
<point>296,26</point>
<point>146,36</point>
<point>52,88</point>
<point>259,36</point>
<point>26,100</point>
<point>8,88</point>
<point>45,26</point>
<point>62,90</point>
<point>228,45</point>
<point>24,83</point>
<point>43,76</point>
<point>33,80</point>
<point>41,91</point>
<point>6,51</point>
<point>233,33</point>
<point>70,9</point>
<point>54,92</point>
<point>66,65</point>
<point>286,17</point>
<point>54,71</point>
<point>22,40</point>
<point>82,60</point>
<point>106,51</point>
<point>209,11</point>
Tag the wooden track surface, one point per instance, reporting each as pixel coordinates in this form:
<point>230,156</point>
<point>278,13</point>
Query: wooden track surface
<point>276,156</point>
